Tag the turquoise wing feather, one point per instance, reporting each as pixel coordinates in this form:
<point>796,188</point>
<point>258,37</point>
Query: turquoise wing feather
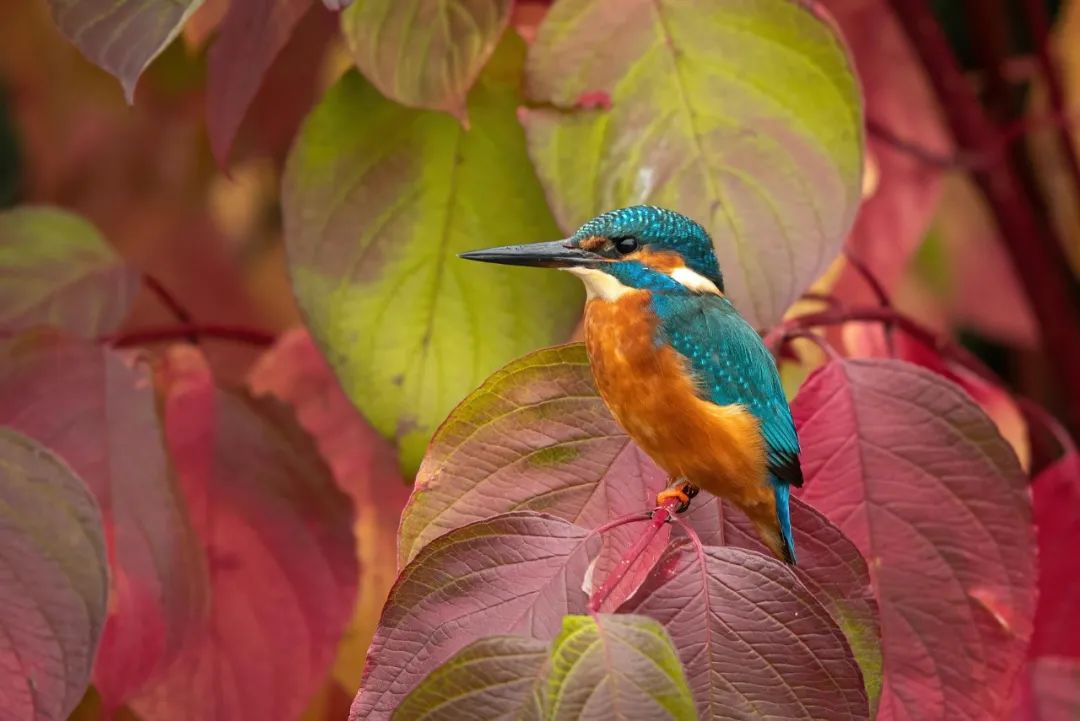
<point>732,365</point>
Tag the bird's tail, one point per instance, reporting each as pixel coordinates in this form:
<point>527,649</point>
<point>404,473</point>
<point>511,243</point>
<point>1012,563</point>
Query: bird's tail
<point>775,530</point>
<point>782,492</point>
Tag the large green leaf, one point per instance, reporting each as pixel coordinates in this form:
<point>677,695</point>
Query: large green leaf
<point>744,114</point>
<point>59,271</point>
<point>122,36</point>
<point>616,667</point>
<point>378,201</point>
<point>424,53</point>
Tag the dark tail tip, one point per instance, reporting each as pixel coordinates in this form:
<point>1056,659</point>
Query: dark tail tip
<point>788,547</point>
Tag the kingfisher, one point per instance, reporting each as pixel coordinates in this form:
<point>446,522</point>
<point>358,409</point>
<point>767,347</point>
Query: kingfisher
<point>684,374</point>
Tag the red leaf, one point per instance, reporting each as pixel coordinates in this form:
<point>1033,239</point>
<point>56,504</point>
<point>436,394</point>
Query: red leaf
<point>490,678</point>
<point>868,341</point>
<point>734,615</point>
<point>1049,691</point>
<point>53,582</point>
<point>830,566</point>
<point>893,219</point>
<point>364,464</point>
<point>278,544</point>
<point>974,259</point>
<point>1057,518</point>
<point>537,436</point>
<point>291,86</point>
<point>252,35</point>
<point>97,413</point>
<point>515,573</point>
<point>918,477</point>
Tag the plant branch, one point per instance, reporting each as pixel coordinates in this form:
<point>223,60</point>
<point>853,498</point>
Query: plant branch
<point>169,301</point>
<point>184,331</point>
<point>926,155</point>
<point>868,277</point>
<point>1039,24</point>
<point>660,516</point>
<point>943,346</point>
<point>1032,244</point>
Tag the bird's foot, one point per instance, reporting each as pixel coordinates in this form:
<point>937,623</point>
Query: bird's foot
<point>682,490</point>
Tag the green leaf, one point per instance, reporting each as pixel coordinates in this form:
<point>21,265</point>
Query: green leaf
<point>378,202</point>
<point>744,114</point>
<point>59,271</point>
<point>615,667</point>
<point>53,582</point>
<point>424,53</point>
<point>122,36</point>
<point>493,678</point>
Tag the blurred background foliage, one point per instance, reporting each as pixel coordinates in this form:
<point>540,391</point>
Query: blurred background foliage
<point>214,236</point>
<point>208,222</point>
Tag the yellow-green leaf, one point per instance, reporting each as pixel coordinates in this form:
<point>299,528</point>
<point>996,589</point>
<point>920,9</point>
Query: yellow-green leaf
<point>615,667</point>
<point>59,271</point>
<point>743,114</point>
<point>378,202</point>
<point>424,53</point>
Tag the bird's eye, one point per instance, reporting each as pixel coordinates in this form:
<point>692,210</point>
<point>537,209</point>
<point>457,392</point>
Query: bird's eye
<point>625,245</point>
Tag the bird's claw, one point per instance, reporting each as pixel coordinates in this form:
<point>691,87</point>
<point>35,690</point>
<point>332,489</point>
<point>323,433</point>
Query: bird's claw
<point>682,491</point>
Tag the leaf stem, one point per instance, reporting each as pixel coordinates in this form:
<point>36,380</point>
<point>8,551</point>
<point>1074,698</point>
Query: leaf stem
<point>184,331</point>
<point>167,299</point>
<point>660,516</point>
<point>622,521</point>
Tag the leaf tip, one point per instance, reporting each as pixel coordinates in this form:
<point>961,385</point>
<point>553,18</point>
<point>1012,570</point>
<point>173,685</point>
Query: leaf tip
<point>128,83</point>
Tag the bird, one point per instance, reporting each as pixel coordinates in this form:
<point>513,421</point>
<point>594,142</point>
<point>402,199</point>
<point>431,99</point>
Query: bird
<point>682,372</point>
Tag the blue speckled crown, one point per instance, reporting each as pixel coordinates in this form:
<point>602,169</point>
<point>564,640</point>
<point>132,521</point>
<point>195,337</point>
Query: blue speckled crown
<point>662,229</point>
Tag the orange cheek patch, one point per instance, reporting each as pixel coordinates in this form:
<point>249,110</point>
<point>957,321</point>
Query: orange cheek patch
<point>593,243</point>
<point>663,261</point>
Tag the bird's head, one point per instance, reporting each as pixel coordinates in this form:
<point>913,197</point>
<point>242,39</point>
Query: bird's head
<point>641,247</point>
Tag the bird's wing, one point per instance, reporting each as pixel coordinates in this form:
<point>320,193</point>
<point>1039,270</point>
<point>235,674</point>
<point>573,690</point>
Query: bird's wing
<point>732,365</point>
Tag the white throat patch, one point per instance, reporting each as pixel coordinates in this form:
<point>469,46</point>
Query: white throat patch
<point>599,284</point>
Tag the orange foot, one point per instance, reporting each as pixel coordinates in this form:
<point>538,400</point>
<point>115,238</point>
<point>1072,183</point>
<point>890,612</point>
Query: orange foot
<point>683,491</point>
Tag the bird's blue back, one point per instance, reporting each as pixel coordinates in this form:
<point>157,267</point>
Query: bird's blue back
<point>732,366</point>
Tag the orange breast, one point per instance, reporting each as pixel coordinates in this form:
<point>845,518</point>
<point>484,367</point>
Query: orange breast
<point>651,393</point>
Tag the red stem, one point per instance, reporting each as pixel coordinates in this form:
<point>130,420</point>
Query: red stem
<point>825,346</point>
<point>930,157</point>
<point>167,299</point>
<point>1037,413</point>
<point>1039,24</point>
<point>183,331</point>
<point>622,521</point>
<point>890,316</point>
<point>868,277</point>
<point>1035,250</point>
<point>660,516</point>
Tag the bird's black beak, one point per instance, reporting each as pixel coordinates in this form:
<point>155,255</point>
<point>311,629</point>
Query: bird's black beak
<point>550,254</point>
